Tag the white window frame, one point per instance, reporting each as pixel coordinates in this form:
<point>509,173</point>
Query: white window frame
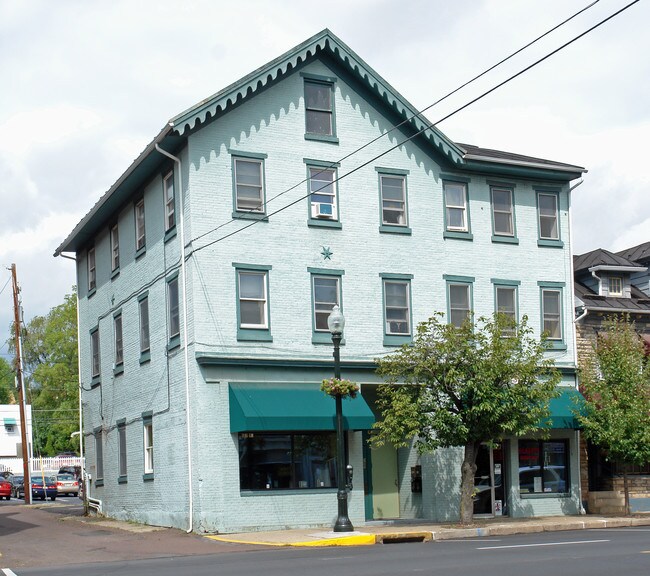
<point>147,429</point>
<point>115,248</point>
<point>467,311</point>
<point>264,299</point>
<point>613,280</point>
<point>92,269</point>
<point>386,203</point>
<point>407,316</point>
<point>173,307</point>
<point>140,226</point>
<point>555,217</point>
<point>315,176</point>
<point>509,213</point>
<point>143,310</point>
<point>260,205</point>
<point>119,339</point>
<point>95,355</point>
<point>323,304</point>
<point>460,207</point>
<point>546,316</point>
<point>170,207</point>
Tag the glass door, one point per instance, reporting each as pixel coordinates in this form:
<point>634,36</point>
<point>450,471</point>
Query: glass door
<point>489,489</point>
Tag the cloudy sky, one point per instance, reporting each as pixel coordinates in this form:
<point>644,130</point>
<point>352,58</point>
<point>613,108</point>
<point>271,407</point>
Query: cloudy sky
<point>86,85</point>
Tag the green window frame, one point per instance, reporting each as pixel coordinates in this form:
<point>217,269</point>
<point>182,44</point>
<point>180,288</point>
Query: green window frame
<point>248,185</point>
<point>140,228</point>
<point>397,308</point>
<point>144,327</point>
<point>549,232</point>
<point>506,297</point>
<point>456,207</point>
<point>393,201</point>
<point>99,456</point>
<point>118,343</point>
<point>552,313</point>
<point>323,194</point>
<point>326,292</point>
<point>169,198</point>
<point>503,213</point>
<point>458,307</point>
<point>91,266</point>
<point>95,356</point>
<point>255,298</point>
<point>320,109</point>
<point>173,312</point>
<point>121,451</point>
<point>115,249</point>
<point>148,446</point>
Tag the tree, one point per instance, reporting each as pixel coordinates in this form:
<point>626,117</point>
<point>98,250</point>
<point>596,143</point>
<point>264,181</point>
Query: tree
<point>7,383</point>
<point>50,366</point>
<point>464,387</point>
<point>615,381</point>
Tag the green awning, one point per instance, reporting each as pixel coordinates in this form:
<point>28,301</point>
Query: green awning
<point>10,421</point>
<point>274,407</point>
<point>563,409</point>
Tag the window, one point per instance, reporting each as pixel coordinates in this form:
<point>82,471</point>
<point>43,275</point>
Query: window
<point>115,248</point>
<point>615,285</point>
<point>249,184</point>
<point>459,299</point>
<point>319,108</point>
<point>139,226</point>
<point>326,296</point>
<point>323,193</point>
<point>170,212</point>
<point>94,354</point>
<point>392,192</point>
<point>119,343</point>
<point>551,313</point>
<point>173,308</point>
<point>99,457</point>
<point>253,315</point>
<point>92,272</point>
<point>148,445</point>
<point>397,307</point>
<point>502,212</point>
<point>293,461</point>
<point>506,301</point>
<point>548,216</point>
<point>543,466</point>
<point>143,306</point>
<point>121,448</point>
<point>456,207</point>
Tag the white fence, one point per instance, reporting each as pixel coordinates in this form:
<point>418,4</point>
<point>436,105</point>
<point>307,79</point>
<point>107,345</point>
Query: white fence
<point>15,465</point>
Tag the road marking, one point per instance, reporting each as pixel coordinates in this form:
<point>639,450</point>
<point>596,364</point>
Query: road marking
<point>8,572</point>
<point>543,544</point>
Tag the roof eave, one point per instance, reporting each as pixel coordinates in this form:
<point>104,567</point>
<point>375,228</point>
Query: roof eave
<point>526,164</point>
<point>613,268</point>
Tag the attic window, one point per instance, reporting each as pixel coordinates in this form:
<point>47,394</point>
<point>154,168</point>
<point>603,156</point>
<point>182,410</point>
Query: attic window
<point>615,286</point>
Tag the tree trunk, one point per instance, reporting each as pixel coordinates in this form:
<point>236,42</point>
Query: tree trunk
<point>626,490</point>
<point>468,471</point>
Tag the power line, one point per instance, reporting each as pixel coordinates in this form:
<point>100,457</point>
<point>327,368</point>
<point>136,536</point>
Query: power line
<point>405,121</point>
<point>429,126</point>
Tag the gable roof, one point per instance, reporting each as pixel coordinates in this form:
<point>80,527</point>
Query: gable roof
<point>640,253</point>
<point>326,45</point>
<point>601,258</point>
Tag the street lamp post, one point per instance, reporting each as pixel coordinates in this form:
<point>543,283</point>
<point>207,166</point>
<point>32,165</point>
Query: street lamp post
<point>335,323</point>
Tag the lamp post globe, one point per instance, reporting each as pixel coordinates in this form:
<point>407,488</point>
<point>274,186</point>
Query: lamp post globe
<point>335,323</point>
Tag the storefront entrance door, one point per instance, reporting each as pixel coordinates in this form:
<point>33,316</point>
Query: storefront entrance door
<point>489,482</point>
<point>385,495</point>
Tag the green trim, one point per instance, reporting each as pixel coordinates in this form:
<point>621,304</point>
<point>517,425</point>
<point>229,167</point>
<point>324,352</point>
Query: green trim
<point>253,334</point>
<point>396,229</point>
<point>501,237</point>
<point>461,279</point>
<point>452,280</point>
<point>99,482</point>
<point>323,222</point>
<point>315,223</point>
<point>550,243</point>
<point>141,252</point>
<point>91,293</point>
<point>323,81</point>
<point>392,171</point>
<point>504,239</point>
<point>247,214</point>
<point>143,295</point>
<point>458,235</point>
<point>396,339</point>
<point>500,184</point>
<point>145,357</point>
<point>502,282</point>
<point>148,477</point>
<point>251,155</point>
<point>547,189</point>
<point>262,267</point>
<point>174,342</point>
<point>118,369</point>
<point>553,343</point>
<point>320,336</point>
<point>449,177</point>
<point>383,226</point>
<point>507,284</point>
<point>394,276</point>
<point>95,381</point>
<point>171,233</point>
<point>209,359</point>
<point>545,284</point>
<point>321,163</point>
<point>122,479</point>
<point>120,422</point>
<point>319,78</point>
<point>9,421</point>
<point>325,271</point>
<point>115,273</point>
<point>563,409</point>
<point>322,138</point>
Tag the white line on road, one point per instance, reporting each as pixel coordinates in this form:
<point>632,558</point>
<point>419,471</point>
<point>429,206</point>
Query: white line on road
<point>543,544</point>
<point>8,572</point>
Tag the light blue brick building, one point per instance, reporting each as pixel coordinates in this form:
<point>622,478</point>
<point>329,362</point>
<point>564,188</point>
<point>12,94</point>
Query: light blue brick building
<point>207,272</point>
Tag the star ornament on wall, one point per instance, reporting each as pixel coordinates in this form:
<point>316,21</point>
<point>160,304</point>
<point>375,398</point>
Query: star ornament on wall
<point>326,253</point>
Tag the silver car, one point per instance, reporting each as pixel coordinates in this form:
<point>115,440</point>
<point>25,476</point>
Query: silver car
<point>66,485</point>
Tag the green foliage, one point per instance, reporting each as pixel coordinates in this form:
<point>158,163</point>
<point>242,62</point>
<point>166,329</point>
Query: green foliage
<point>456,386</point>
<point>7,383</point>
<point>615,381</point>
<point>51,376</point>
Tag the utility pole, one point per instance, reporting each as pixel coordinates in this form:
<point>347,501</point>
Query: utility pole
<point>21,389</point>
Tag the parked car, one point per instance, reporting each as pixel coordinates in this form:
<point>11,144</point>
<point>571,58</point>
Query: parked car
<point>74,470</point>
<point>18,486</point>
<point>5,488</point>
<point>50,490</point>
<point>66,485</point>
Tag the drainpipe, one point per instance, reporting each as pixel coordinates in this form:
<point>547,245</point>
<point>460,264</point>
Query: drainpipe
<point>186,352</point>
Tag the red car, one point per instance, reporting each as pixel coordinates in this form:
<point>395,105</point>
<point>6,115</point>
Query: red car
<point>5,489</point>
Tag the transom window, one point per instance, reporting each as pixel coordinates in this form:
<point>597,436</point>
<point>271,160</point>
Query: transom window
<point>318,108</point>
<point>252,299</point>
<point>174,308</point>
<point>397,313</point>
<point>393,199</point>
<point>323,193</point>
<point>289,461</point>
<point>548,217</point>
<point>92,271</point>
<point>139,226</point>
<point>326,296</point>
<point>551,313</point>
<point>456,206</point>
<point>459,303</point>
<point>115,248</point>
<point>170,212</point>
<point>502,212</point>
<point>249,184</point>
<point>615,284</point>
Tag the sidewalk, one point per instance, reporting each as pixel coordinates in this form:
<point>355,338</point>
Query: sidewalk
<point>412,531</point>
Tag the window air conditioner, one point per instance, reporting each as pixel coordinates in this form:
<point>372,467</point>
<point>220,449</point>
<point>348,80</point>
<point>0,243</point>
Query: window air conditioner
<point>323,210</point>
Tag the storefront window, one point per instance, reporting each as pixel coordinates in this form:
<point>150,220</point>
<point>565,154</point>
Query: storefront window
<point>543,466</point>
<point>299,460</point>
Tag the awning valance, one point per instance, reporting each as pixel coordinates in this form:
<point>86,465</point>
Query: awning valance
<point>10,421</point>
<point>284,407</point>
<point>563,409</point>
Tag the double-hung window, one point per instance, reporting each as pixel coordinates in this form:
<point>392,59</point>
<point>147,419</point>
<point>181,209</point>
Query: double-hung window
<point>118,343</point>
<point>173,311</point>
<point>392,195</point>
<point>170,206</point>
<point>548,218</point>
<point>503,214</point>
<point>99,457</point>
<point>115,248</point>
<point>248,179</point>
<point>121,450</point>
<point>143,308</point>
<point>459,299</point>
<point>551,305</point>
<point>92,270</point>
<point>397,308</point>
<point>456,205</point>
<point>319,108</point>
<point>147,428</point>
<point>95,361</point>
<point>253,319</point>
<point>505,300</point>
<point>140,237</point>
<point>323,204</point>
<point>326,293</point>
<point>615,286</point>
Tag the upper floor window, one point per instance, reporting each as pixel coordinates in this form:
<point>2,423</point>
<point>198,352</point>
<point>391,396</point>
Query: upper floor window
<point>249,184</point>
<point>551,313</point>
<point>119,342</point>
<point>170,212</point>
<point>459,299</point>
<point>147,428</point>
<point>94,354</point>
<point>92,271</point>
<point>139,226</point>
<point>252,300</point>
<point>173,308</point>
<point>99,456</point>
<point>502,212</point>
<point>505,297</point>
<point>397,307</point>
<point>121,448</point>
<point>393,200</point>
<point>115,248</point>
<point>456,209</point>
<point>323,194</point>
<point>326,296</point>
<point>143,305</point>
<point>548,216</point>
<point>615,284</point>
<point>319,108</point>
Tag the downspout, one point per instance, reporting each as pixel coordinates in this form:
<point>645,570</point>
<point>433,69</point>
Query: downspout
<point>186,352</point>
